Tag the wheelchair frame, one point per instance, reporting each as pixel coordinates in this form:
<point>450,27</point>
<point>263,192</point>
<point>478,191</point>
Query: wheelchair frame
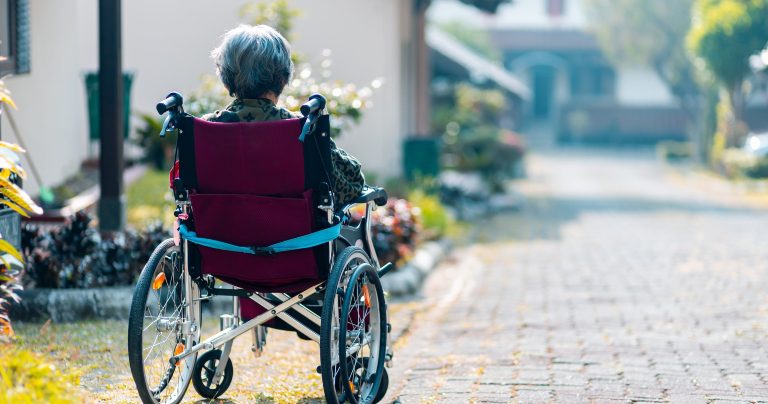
<point>226,336</point>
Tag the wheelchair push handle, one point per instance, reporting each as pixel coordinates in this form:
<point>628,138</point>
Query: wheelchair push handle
<point>316,103</point>
<point>172,101</point>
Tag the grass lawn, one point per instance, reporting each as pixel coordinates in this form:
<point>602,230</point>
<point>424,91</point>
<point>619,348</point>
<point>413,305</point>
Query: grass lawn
<point>98,351</point>
<point>285,373</point>
<point>150,200</point>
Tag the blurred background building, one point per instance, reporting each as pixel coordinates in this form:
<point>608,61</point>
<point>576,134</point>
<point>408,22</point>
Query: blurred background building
<point>576,92</point>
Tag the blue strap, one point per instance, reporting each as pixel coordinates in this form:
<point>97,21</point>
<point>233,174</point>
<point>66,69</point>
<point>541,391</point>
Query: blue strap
<point>298,243</point>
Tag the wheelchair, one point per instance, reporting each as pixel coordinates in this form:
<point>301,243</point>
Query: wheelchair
<point>256,220</point>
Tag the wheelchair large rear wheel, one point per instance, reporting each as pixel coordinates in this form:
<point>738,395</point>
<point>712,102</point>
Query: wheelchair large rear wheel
<point>364,338</point>
<point>156,327</point>
<point>353,331</point>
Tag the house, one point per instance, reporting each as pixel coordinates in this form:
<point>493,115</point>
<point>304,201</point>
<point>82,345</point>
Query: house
<point>576,92</point>
<point>166,45</point>
<point>453,62</point>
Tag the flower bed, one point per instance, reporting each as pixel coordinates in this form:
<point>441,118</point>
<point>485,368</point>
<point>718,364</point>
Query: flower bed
<point>77,256</point>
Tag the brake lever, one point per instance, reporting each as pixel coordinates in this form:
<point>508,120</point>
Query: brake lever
<point>169,124</point>
<point>308,124</point>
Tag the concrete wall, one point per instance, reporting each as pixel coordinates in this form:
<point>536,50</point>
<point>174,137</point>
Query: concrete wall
<point>166,44</point>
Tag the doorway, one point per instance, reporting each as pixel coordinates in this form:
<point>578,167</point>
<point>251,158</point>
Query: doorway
<point>543,78</point>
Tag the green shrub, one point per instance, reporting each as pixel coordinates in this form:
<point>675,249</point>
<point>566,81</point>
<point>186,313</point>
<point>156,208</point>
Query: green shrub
<point>735,163</point>
<point>435,219</point>
<point>26,377</point>
<point>674,151</point>
<point>759,169</point>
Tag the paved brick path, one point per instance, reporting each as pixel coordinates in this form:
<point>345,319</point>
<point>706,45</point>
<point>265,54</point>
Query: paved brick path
<point>613,284</point>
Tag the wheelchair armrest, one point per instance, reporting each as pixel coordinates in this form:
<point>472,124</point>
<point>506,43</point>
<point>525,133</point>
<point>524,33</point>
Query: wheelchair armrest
<point>378,195</point>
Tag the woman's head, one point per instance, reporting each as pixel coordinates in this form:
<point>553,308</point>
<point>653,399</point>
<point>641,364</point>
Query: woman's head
<point>253,61</point>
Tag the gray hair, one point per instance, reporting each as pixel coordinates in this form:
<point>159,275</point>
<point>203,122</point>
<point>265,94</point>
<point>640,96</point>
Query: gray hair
<point>253,60</point>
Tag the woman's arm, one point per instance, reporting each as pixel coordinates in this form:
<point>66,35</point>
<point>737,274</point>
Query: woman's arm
<point>348,174</point>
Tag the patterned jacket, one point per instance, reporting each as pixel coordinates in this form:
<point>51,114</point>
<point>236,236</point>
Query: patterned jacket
<point>346,169</point>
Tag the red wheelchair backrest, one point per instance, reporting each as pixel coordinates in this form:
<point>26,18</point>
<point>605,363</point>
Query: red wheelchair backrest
<point>255,184</point>
<point>264,158</point>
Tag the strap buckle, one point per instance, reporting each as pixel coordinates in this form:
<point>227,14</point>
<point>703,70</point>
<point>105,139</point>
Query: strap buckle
<point>263,251</point>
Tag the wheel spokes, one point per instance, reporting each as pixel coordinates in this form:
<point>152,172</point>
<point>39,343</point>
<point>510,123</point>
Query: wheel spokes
<point>161,334</point>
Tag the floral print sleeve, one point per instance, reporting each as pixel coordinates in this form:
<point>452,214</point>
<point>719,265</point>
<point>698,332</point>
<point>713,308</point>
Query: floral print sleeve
<point>348,174</point>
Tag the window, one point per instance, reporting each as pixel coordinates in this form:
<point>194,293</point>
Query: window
<point>555,8</point>
<point>14,37</point>
<point>593,81</point>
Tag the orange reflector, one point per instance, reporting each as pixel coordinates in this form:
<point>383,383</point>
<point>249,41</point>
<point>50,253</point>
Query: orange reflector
<point>367,296</point>
<point>351,386</point>
<point>159,280</point>
<point>178,351</point>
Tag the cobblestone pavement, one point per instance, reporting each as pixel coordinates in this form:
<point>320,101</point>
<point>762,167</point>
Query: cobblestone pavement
<point>614,283</point>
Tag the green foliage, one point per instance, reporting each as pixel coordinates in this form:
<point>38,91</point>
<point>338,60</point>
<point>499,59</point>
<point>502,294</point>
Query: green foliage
<point>648,33</point>
<point>26,378</point>
<point>149,200</point>
<point>157,150</point>
<point>476,39</point>
<point>724,115</point>
<point>277,14</point>
<point>472,139</point>
<point>759,169</point>
<point>726,33</point>
<point>737,164</point>
<point>14,198</point>
<point>674,151</point>
<point>435,219</point>
<point>470,108</point>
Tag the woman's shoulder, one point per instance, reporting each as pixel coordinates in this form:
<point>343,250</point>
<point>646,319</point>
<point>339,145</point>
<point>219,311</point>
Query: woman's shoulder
<point>250,110</point>
<point>221,116</point>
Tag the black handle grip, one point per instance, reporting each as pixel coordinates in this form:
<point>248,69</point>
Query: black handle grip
<point>316,103</point>
<point>172,101</point>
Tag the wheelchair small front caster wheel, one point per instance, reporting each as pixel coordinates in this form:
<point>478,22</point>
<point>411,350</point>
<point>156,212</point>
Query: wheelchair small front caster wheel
<point>383,387</point>
<point>204,372</point>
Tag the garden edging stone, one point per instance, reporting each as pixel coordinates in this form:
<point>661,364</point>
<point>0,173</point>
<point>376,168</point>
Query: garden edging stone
<point>69,305</point>
<point>408,279</point>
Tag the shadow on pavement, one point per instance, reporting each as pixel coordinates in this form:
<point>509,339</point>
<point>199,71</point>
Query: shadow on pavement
<point>543,217</point>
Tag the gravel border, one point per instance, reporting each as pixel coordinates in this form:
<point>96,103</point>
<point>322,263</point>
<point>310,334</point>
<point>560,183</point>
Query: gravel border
<point>70,305</point>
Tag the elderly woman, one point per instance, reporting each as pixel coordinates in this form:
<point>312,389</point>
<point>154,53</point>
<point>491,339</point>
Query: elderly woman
<point>254,63</point>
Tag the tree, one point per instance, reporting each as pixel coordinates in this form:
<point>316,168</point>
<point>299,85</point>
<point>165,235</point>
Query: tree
<point>473,38</point>
<point>649,33</point>
<point>725,33</point>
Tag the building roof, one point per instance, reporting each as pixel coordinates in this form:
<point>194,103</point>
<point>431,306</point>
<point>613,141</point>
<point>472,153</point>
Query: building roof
<point>474,64</point>
<point>544,40</point>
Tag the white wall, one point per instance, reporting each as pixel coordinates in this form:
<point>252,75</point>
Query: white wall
<point>167,43</point>
<point>51,100</point>
<point>641,87</point>
<point>366,42</point>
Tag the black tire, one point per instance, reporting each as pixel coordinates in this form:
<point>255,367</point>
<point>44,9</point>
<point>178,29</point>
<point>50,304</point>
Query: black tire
<point>332,301</point>
<point>205,368</point>
<point>163,259</point>
<point>383,386</point>
<point>360,377</point>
